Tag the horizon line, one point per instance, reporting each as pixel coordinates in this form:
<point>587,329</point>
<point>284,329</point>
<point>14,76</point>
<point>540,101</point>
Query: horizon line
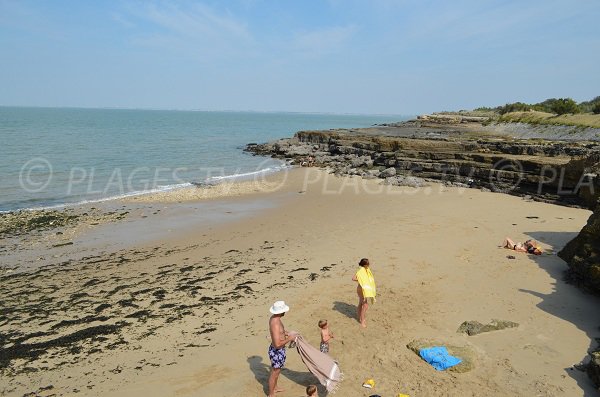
<point>207,110</point>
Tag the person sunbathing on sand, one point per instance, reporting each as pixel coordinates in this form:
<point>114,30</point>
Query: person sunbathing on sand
<point>529,246</point>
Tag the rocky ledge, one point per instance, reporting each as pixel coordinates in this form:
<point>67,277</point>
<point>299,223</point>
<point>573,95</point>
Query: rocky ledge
<point>413,152</point>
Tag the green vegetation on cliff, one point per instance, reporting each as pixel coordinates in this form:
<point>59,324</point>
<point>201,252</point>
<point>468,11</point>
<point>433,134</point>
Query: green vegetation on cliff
<point>535,117</point>
<point>552,111</point>
<point>555,106</point>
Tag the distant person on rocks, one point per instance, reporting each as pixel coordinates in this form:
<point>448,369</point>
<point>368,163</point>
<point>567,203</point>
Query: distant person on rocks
<point>308,162</point>
<point>529,246</point>
<point>279,338</point>
<point>365,289</point>
<point>326,336</point>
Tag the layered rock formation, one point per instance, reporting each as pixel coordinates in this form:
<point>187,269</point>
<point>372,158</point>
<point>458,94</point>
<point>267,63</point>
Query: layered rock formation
<point>547,170</point>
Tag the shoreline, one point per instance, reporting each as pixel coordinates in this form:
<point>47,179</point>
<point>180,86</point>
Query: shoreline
<point>215,181</point>
<point>187,310</point>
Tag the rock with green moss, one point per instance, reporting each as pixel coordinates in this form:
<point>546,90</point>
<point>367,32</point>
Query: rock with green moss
<point>20,222</point>
<point>475,327</point>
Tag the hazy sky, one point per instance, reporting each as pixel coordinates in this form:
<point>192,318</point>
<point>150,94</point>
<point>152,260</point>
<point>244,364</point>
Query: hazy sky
<point>343,56</point>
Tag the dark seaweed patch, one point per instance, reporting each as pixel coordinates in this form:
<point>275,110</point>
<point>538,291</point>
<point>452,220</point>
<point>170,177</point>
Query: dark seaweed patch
<point>84,320</point>
<point>101,307</point>
<point>142,291</point>
<point>34,350</point>
<point>117,289</point>
<point>140,314</point>
<point>127,303</point>
<point>205,331</point>
<point>79,295</point>
<point>159,294</point>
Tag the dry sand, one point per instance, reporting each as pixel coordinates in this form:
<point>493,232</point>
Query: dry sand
<point>185,311</point>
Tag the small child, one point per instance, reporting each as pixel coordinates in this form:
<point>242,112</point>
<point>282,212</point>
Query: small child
<point>326,335</point>
<point>311,391</point>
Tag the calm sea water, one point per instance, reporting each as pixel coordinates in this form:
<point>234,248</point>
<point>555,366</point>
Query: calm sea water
<point>57,156</point>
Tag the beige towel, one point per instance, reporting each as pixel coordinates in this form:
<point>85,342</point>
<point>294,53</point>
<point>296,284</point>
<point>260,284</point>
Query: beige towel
<point>321,365</point>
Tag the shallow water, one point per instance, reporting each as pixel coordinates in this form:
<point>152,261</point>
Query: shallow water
<point>57,156</point>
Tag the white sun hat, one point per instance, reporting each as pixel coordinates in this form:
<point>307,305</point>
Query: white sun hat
<point>279,307</point>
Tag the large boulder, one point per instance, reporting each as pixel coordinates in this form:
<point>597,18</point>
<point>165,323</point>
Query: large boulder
<point>388,172</point>
<point>593,368</point>
<point>475,327</point>
<point>402,180</point>
<point>582,254</point>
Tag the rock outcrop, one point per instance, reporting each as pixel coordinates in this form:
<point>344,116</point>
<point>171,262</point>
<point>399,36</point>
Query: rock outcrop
<point>582,254</point>
<point>475,327</point>
<point>593,368</point>
<point>559,172</point>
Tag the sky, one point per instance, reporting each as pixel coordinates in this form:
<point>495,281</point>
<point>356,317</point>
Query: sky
<point>339,56</point>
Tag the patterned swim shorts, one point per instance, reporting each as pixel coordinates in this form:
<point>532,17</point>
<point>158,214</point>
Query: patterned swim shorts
<point>324,347</point>
<point>277,357</point>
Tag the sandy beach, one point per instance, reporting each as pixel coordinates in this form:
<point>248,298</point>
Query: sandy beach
<point>172,298</point>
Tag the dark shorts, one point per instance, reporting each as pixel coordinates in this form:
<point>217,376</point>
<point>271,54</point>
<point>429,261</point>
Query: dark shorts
<point>324,347</point>
<point>277,357</point>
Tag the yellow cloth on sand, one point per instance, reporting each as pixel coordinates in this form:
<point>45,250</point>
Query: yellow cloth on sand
<point>369,383</point>
<point>367,282</point>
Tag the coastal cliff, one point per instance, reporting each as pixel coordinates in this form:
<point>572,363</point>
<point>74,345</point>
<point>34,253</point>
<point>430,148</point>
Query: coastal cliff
<point>455,151</point>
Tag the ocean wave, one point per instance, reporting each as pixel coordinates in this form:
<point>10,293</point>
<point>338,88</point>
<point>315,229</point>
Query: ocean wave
<point>248,175</point>
<point>159,189</point>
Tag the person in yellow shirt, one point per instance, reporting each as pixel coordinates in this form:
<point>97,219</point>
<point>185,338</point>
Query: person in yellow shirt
<point>365,289</point>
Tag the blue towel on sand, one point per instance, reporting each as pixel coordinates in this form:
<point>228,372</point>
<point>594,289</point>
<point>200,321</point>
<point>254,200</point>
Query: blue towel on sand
<point>439,357</point>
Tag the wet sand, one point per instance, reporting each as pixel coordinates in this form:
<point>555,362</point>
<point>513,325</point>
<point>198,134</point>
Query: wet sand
<point>173,298</point>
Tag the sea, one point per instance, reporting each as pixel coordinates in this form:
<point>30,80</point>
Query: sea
<point>57,157</point>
